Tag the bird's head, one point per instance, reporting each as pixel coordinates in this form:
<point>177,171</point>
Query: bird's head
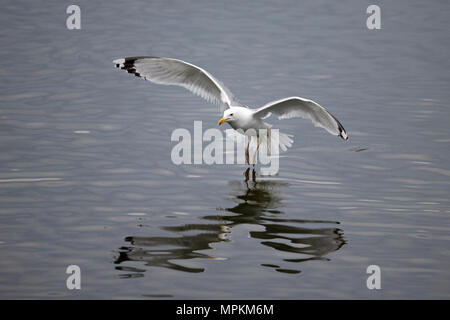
<point>229,115</point>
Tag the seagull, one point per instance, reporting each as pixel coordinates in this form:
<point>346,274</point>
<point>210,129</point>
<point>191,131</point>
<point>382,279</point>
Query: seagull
<point>169,71</point>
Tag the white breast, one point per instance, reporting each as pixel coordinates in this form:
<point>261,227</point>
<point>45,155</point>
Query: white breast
<point>245,120</point>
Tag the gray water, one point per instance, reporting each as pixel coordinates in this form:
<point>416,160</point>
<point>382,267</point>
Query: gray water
<point>86,176</point>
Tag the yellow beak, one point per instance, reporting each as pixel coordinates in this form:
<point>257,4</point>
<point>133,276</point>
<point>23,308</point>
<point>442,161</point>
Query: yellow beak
<point>222,120</point>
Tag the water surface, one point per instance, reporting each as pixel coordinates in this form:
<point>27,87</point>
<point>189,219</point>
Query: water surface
<point>86,176</point>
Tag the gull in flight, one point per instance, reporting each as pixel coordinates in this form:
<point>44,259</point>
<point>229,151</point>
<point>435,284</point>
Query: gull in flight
<point>170,71</point>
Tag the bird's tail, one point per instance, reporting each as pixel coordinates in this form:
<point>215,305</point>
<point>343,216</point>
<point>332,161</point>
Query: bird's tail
<point>272,138</point>
<point>286,141</point>
<point>266,140</point>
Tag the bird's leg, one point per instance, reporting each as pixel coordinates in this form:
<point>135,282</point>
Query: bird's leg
<point>254,155</point>
<point>247,155</point>
<point>246,174</point>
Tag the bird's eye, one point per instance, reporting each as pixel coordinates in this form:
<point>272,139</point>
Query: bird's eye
<point>231,114</point>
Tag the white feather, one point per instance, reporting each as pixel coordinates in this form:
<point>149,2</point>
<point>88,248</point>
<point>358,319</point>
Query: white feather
<point>170,71</point>
<point>296,107</point>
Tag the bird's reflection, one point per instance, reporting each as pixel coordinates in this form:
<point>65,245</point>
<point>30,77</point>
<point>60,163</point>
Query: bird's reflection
<point>257,203</point>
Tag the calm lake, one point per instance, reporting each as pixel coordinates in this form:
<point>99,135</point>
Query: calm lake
<point>86,176</point>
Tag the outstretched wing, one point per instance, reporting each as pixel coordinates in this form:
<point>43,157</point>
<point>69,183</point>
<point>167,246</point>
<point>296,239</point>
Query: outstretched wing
<point>296,107</point>
<point>170,71</point>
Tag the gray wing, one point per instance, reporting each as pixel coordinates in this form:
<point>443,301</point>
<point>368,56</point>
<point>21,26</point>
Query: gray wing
<point>180,73</point>
<point>296,107</point>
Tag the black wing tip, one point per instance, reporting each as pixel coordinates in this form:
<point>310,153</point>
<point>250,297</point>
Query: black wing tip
<point>342,133</point>
<point>130,60</point>
<point>344,137</point>
<point>128,64</point>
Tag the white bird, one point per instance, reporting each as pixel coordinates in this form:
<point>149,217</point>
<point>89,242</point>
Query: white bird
<point>170,71</point>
